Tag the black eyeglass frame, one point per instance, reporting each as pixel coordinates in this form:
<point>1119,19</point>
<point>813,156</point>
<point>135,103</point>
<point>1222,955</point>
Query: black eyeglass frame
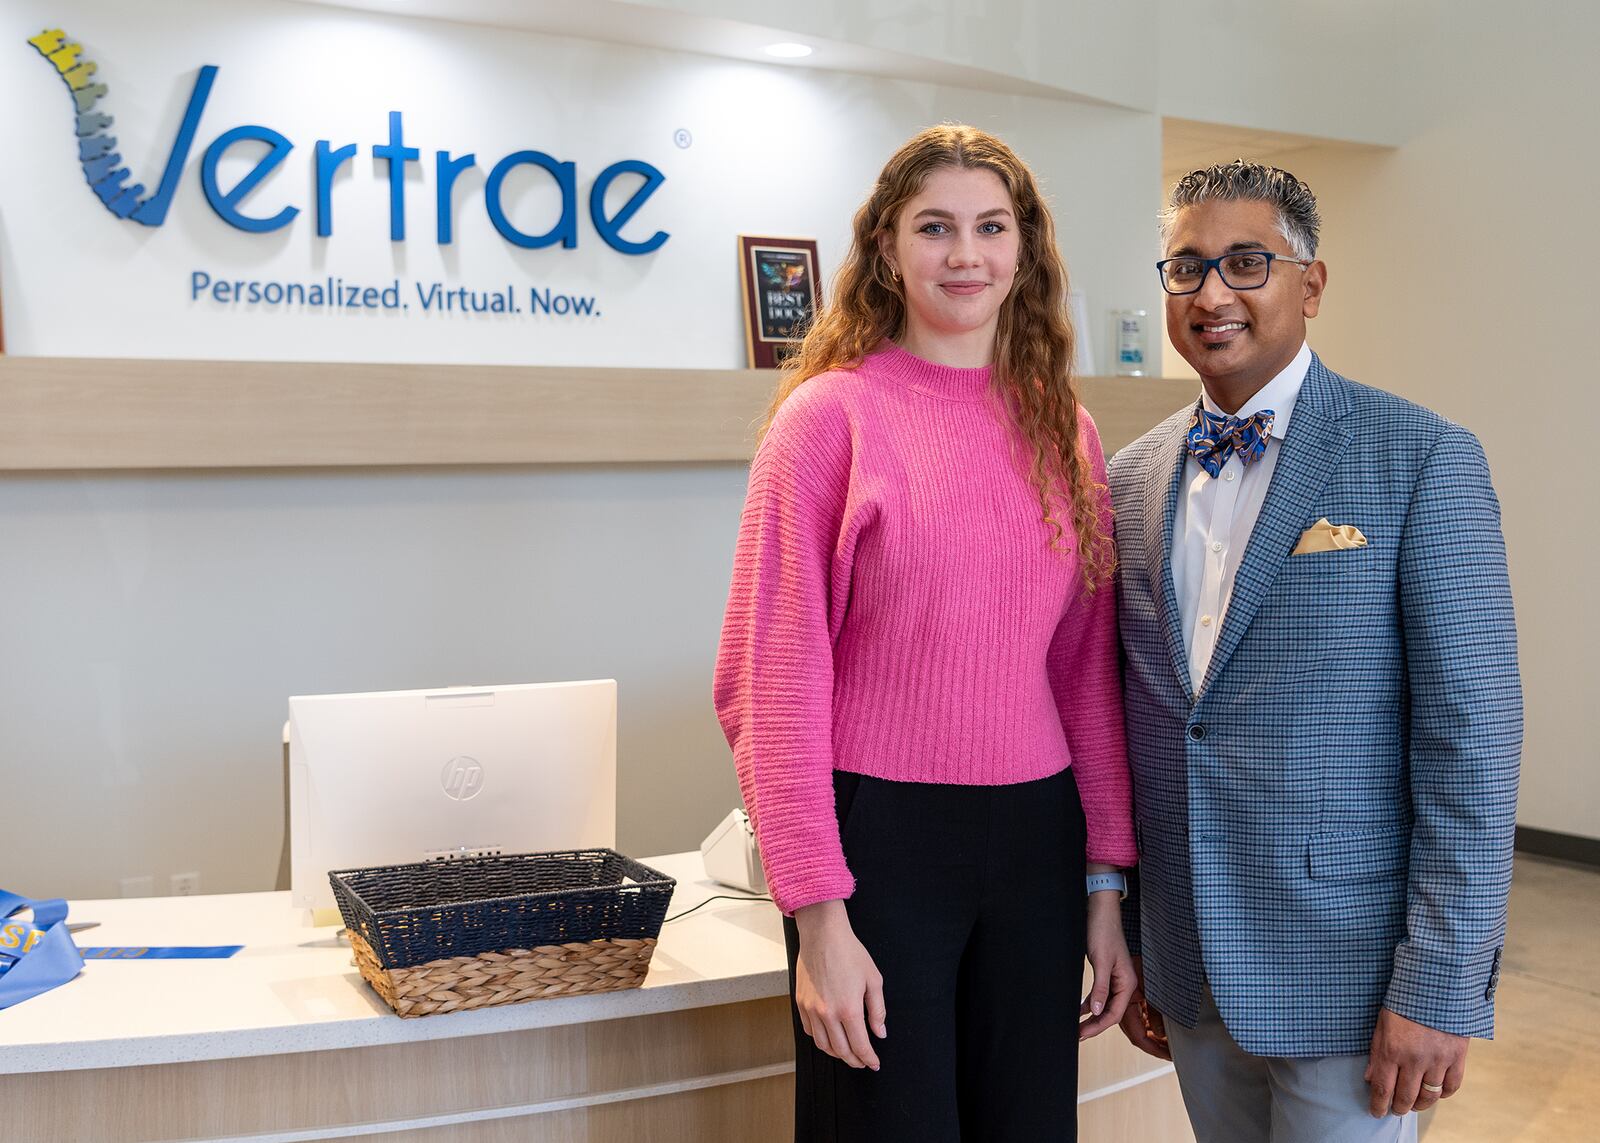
<point>1209,264</point>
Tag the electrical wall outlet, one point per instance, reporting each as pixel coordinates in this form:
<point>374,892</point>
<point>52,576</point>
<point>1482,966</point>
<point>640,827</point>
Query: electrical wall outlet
<point>185,884</point>
<point>143,885</point>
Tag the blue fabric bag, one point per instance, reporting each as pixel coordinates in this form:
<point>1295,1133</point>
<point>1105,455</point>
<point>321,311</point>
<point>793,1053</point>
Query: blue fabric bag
<point>36,955</point>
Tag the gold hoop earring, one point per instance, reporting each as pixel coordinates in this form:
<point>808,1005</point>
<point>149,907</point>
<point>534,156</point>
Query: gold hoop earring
<point>893,273</point>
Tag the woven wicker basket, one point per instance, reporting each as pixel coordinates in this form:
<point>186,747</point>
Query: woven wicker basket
<point>448,936</point>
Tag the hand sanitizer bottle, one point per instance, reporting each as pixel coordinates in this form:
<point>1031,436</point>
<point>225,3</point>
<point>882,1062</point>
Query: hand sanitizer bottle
<point>1130,342</point>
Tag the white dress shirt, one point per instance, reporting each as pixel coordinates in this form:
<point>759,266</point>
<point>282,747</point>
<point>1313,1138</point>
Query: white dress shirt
<point>1216,515</point>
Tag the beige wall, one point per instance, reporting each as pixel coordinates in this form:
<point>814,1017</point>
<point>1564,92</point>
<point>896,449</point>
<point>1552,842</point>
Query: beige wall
<point>1462,275</point>
<point>1255,63</point>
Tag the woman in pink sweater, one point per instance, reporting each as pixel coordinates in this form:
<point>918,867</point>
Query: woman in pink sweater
<point>918,672</point>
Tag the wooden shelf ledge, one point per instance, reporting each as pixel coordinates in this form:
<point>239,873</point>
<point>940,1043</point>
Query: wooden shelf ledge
<point>119,413</point>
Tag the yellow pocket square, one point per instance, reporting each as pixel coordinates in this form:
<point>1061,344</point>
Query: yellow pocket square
<point>1325,537</point>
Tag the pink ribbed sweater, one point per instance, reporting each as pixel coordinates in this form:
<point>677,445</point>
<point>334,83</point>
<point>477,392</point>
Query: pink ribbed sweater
<point>897,611</point>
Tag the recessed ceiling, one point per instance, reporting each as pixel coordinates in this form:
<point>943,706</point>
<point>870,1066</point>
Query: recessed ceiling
<point>1187,145</point>
<point>641,25</point>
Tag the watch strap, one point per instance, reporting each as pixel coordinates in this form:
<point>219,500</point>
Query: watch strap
<point>1098,882</point>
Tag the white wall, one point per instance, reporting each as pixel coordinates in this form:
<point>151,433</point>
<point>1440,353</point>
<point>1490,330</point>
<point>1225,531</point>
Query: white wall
<point>776,150</point>
<point>153,624</point>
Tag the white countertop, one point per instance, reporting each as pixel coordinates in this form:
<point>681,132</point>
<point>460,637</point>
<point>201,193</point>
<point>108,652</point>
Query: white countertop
<point>293,988</point>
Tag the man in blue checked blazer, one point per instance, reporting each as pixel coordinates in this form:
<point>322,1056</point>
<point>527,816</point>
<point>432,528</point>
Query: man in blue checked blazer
<point>1324,711</point>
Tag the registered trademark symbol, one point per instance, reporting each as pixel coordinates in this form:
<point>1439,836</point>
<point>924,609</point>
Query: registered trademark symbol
<point>682,137</point>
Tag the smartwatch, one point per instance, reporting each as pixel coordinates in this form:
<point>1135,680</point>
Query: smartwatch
<point>1100,881</point>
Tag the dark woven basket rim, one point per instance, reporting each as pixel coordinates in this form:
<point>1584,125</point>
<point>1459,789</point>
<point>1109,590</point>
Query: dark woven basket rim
<point>658,879</point>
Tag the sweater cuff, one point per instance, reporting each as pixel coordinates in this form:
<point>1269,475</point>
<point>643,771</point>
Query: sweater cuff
<point>1111,843</point>
<point>813,891</point>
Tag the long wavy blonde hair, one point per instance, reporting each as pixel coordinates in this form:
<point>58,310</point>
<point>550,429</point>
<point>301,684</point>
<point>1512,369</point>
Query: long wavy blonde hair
<point>1034,342</point>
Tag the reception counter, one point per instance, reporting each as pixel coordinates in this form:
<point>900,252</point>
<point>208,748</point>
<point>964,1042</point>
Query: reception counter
<point>285,1043</point>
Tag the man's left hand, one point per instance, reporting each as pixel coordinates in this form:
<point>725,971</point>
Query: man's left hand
<point>1405,1056</point>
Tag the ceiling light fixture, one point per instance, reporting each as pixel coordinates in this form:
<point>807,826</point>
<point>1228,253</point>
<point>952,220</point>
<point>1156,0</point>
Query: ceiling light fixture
<point>788,51</point>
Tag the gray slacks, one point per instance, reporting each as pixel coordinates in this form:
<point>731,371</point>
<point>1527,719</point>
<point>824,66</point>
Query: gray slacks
<point>1234,1097</point>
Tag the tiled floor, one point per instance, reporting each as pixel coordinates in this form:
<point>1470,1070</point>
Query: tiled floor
<point>1538,1081</point>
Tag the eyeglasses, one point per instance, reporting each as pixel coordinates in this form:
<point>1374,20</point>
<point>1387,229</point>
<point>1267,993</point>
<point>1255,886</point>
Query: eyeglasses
<point>1247,270</point>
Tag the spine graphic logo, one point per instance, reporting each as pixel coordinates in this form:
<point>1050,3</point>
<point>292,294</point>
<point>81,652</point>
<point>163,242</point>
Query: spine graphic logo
<point>462,778</point>
<point>97,151</point>
<point>107,177</point>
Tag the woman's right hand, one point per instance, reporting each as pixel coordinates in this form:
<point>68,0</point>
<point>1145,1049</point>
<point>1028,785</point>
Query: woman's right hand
<point>837,989</point>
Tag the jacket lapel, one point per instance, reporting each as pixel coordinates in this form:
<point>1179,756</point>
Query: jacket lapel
<point>1163,478</point>
<point>1309,453</point>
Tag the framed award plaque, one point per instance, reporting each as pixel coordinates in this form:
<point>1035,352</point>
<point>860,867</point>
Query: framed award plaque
<point>781,293</point>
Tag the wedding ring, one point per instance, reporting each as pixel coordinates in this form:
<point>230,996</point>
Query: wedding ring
<point>1434,1088</point>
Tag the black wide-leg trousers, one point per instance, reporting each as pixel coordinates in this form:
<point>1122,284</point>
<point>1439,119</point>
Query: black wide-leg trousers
<point>971,901</point>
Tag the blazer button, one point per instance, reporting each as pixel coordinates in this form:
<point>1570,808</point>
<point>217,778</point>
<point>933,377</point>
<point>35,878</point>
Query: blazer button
<point>1197,732</point>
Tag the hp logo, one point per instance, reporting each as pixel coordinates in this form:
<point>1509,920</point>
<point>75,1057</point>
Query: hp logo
<point>462,778</point>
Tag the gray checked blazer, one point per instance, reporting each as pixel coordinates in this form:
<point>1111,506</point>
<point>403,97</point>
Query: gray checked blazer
<point>1325,820</point>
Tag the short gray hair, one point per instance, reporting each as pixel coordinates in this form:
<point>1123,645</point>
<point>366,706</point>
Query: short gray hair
<point>1242,180</point>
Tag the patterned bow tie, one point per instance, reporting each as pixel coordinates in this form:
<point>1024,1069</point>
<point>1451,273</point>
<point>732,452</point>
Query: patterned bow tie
<point>1213,439</point>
